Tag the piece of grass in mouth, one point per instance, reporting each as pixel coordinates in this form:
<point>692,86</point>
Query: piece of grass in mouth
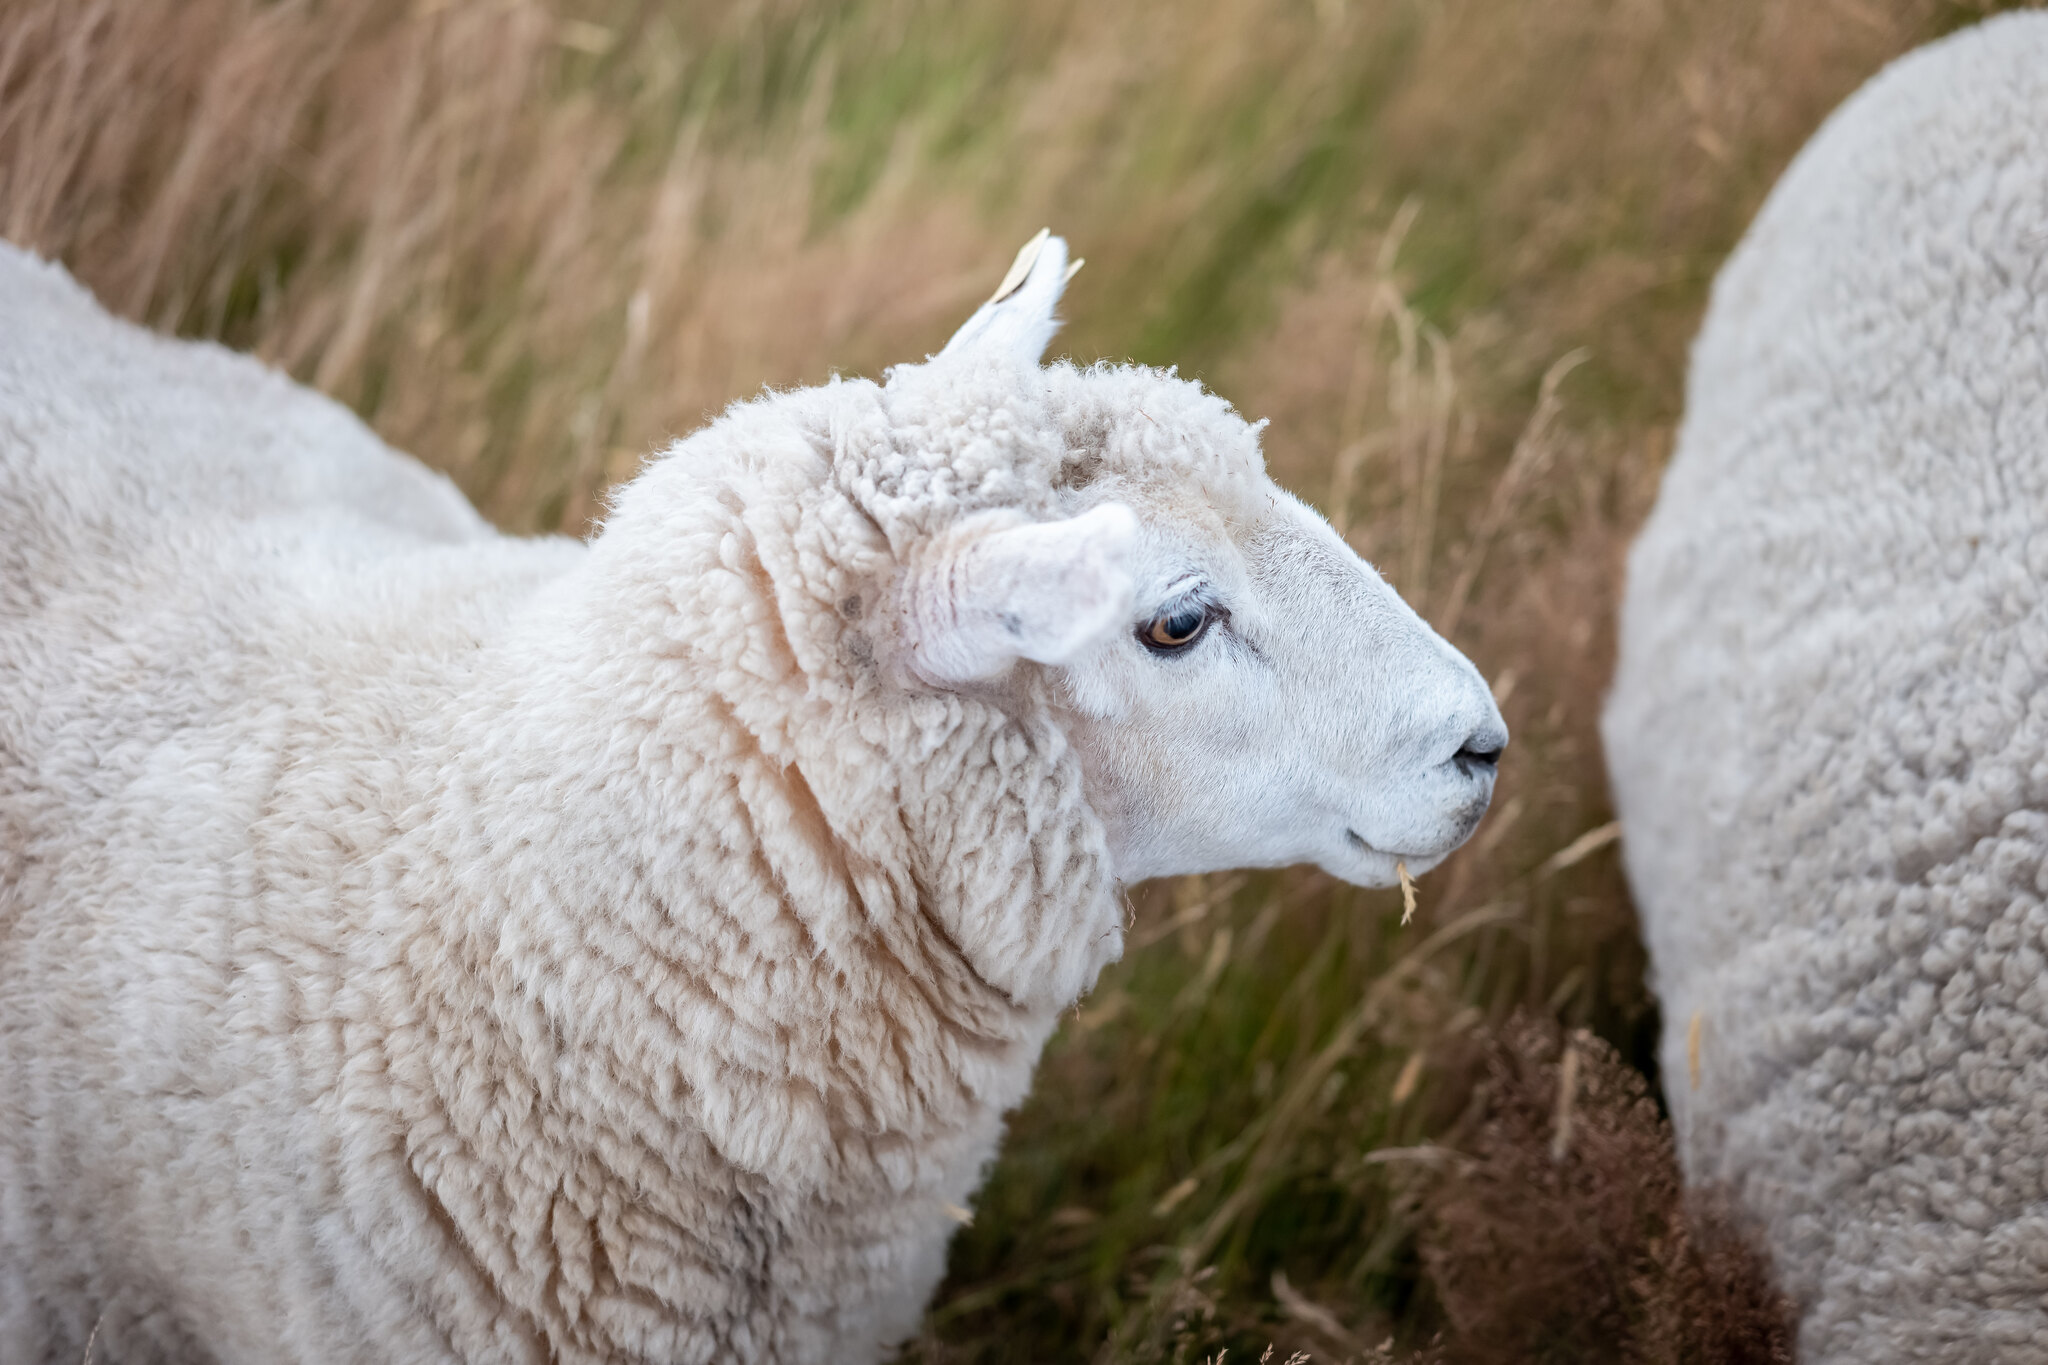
<point>1407,889</point>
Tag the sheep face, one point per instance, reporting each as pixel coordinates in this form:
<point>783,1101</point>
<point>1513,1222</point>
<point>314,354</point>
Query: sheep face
<point>1242,688</point>
<point>1271,700</point>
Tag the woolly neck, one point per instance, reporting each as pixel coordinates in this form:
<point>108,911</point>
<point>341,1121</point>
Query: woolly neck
<point>718,900</point>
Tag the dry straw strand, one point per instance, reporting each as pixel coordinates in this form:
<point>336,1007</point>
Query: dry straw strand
<point>1694,1029</point>
<point>1567,1095</point>
<point>1534,451</point>
<point>1313,1315</point>
<point>1581,848</point>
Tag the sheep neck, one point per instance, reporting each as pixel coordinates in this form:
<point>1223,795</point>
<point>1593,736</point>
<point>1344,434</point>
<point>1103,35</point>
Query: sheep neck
<point>770,950</point>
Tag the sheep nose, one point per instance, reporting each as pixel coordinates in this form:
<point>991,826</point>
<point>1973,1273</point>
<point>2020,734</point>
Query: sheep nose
<point>1480,753</point>
<point>1485,758</point>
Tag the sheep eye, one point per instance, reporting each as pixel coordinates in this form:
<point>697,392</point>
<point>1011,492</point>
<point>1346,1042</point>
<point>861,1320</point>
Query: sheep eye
<point>1175,630</point>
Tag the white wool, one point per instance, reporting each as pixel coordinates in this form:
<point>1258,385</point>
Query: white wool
<point>1828,734</point>
<point>422,945</point>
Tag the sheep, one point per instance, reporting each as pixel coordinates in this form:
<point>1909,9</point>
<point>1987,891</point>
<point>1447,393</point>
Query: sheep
<point>420,944</point>
<point>1827,734</point>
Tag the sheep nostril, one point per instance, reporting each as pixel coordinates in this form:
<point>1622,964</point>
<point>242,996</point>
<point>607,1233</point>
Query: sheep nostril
<point>1485,758</point>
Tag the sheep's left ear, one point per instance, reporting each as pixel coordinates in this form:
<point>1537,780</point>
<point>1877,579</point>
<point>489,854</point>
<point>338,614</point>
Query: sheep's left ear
<point>998,589</point>
<point>1018,320</point>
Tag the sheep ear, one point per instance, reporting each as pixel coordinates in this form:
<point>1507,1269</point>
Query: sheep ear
<point>1018,320</point>
<point>988,596</point>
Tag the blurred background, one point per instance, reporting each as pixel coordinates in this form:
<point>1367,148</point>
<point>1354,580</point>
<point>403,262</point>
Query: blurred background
<point>1454,249</point>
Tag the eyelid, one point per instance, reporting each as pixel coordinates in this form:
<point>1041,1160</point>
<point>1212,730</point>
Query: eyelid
<point>1185,591</point>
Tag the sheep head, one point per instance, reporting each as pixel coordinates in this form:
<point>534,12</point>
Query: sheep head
<point>1243,689</point>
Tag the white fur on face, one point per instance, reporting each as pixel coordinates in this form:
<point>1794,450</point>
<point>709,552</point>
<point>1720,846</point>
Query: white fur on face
<point>1317,719</point>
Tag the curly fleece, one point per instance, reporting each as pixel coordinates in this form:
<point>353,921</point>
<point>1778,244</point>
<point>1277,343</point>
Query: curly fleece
<point>1828,734</point>
<point>417,944</point>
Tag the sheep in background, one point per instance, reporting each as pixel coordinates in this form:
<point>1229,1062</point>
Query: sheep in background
<point>1828,735</point>
<point>419,944</point>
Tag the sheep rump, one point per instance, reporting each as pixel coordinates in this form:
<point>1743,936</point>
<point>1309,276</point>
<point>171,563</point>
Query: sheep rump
<point>1828,734</point>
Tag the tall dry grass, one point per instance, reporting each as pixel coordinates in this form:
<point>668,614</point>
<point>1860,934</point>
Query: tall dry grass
<point>1454,248</point>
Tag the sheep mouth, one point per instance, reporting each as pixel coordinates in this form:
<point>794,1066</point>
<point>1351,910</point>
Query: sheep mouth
<point>1359,845</point>
<point>1357,841</point>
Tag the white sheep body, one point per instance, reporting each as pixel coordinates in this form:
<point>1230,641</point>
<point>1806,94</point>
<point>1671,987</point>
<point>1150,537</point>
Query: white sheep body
<point>288,958</point>
<point>1828,734</point>
<point>422,945</point>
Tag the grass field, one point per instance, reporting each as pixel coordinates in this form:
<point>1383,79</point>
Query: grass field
<point>1453,248</point>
